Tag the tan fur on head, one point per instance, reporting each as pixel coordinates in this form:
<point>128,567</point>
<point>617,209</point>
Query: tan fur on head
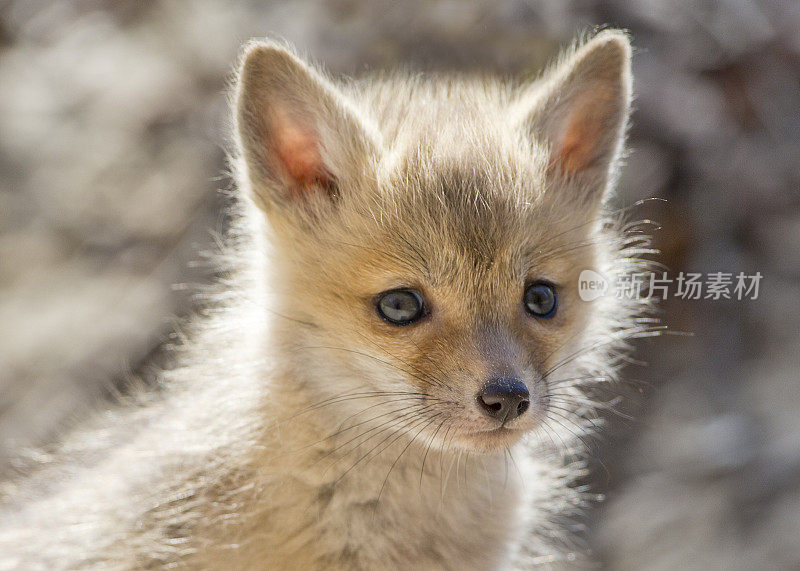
<point>304,430</point>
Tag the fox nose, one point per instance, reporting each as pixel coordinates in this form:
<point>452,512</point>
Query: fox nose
<point>504,399</point>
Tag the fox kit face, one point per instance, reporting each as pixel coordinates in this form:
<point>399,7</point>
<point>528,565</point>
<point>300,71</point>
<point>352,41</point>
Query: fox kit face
<point>428,235</point>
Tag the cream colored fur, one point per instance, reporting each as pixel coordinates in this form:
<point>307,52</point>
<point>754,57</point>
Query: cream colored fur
<point>299,431</point>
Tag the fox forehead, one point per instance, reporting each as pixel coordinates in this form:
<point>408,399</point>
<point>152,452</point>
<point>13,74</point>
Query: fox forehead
<point>450,219</point>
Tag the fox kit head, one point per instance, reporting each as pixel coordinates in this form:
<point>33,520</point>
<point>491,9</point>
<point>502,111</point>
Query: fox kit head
<point>428,235</point>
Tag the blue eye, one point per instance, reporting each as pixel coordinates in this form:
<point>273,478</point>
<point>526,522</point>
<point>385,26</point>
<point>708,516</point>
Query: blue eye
<point>400,306</point>
<point>540,300</point>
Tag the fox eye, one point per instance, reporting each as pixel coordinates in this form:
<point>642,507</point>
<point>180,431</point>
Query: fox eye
<point>540,300</point>
<point>400,306</point>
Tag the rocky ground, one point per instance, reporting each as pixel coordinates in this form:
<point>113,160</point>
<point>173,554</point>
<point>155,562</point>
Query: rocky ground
<point>112,129</point>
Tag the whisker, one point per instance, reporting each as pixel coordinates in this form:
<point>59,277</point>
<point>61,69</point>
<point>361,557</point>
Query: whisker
<point>363,354</point>
<point>428,449</point>
<point>411,410</point>
<point>622,335</point>
<point>557,435</point>
<point>405,426</point>
<point>516,466</point>
<point>377,394</point>
<point>410,442</point>
<point>343,430</point>
<point>565,427</point>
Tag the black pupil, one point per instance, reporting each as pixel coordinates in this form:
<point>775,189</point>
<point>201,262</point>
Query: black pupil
<point>400,306</point>
<point>540,299</point>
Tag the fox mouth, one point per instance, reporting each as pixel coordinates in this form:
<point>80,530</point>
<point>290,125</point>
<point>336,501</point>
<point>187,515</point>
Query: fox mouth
<point>491,440</point>
<point>500,430</point>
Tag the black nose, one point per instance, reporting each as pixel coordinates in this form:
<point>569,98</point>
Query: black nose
<point>504,399</point>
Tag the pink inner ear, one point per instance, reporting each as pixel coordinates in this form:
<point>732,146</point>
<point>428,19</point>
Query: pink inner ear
<point>297,151</point>
<point>581,141</point>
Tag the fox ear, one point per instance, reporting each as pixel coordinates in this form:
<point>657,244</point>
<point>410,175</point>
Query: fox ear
<point>299,137</point>
<point>580,114</point>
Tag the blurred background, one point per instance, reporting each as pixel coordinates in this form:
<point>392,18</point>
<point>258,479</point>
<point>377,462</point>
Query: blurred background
<point>113,124</point>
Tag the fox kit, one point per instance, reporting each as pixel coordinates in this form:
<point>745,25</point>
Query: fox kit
<point>389,371</point>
